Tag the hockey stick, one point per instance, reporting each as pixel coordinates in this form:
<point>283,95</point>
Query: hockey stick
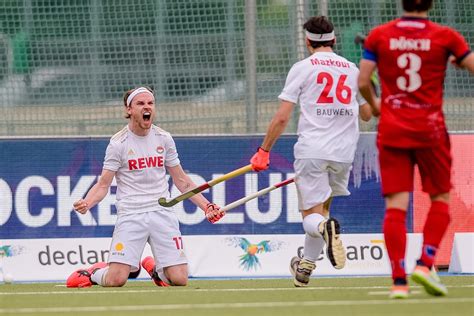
<point>359,39</point>
<point>186,195</point>
<point>247,198</point>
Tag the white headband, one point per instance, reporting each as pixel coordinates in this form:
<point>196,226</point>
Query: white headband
<point>320,37</point>
<point>135,92</point>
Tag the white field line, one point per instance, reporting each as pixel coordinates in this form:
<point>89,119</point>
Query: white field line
<point>183,290</point>
<point>388,292</point>
<point>213,306</point>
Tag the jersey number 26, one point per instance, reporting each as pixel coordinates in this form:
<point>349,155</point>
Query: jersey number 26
<point>343,93</point>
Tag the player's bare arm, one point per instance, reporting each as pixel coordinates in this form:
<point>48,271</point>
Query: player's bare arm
<point>278,124</point>
<point>96,193</point>
<point>365,112</point>
<point>184,183</point>
<point>468,63</point>
<point>261,160</point>
<point>367,67</point>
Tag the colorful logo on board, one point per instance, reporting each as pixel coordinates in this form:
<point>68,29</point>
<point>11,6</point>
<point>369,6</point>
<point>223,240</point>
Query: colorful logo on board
<point>249,260</point>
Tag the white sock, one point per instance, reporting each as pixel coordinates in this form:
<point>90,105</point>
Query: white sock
<point>99,275</point>
<point>161,275</point>
<point>313,246</point>
<point>314,242</point>
<point>311,224</point>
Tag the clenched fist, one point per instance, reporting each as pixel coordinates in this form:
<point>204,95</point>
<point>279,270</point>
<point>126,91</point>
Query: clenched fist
<point>213,212</point>
<point>261,160</point>
<point>81,206</point>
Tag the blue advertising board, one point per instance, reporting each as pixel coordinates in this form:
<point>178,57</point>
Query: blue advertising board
<point>40,178</point>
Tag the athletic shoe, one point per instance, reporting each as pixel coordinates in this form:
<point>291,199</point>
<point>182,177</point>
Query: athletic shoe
<point>149,265</point>
<point>82,277</point>
<point>434,274</point>
<point>399,291</point>
<point>429,280</point>
<point>330,231</point>
<point>301,269</point>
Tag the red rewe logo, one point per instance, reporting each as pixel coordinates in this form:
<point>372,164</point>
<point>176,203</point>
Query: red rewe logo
<point>146,162</point>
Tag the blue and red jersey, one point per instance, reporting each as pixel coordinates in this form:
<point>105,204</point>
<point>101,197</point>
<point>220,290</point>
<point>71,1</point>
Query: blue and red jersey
<point>411,56</point>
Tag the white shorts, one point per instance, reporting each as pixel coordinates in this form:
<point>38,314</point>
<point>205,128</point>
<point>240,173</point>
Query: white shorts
<point>317,180</point>
<point>159,228</point>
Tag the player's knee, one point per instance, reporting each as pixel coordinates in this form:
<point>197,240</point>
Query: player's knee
<point>177,275</point>
<point>441,197</point>
<point>116,280</point>
<point>179,279</point>
<point>311,224</point>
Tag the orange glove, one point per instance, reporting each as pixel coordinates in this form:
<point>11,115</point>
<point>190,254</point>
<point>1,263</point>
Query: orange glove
<point>261,160</point>
<point>213,212</point>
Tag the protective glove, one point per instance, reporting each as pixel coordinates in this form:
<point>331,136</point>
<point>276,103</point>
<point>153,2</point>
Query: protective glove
<point>213,212</point>
<point>261,160</point>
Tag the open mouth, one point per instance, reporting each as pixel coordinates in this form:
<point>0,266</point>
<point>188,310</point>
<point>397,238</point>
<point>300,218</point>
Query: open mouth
<point>146,116</point>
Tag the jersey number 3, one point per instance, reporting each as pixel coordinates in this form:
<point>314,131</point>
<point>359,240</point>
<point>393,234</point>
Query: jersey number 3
<point>411,63</point>
<point>343,92</point>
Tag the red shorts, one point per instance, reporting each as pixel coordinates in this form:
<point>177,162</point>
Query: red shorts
<point>397,167</point>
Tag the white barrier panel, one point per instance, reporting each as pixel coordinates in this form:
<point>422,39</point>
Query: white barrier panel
<point>462,255</point>
<point>209,256</point>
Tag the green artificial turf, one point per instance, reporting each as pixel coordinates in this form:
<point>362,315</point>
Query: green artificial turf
<point>274,297</point>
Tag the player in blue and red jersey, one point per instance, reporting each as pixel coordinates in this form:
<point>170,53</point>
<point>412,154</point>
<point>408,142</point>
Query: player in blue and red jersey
<point>411,55</point>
